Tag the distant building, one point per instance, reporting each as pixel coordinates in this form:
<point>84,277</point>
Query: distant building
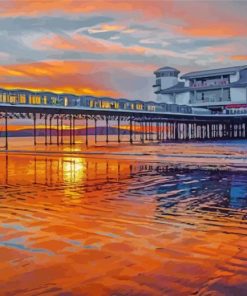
<point>216,89</point>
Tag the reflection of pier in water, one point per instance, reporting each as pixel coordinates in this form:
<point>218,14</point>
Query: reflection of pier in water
<point>94,174</point>
<point>51,171</point>
<point>96,217</point>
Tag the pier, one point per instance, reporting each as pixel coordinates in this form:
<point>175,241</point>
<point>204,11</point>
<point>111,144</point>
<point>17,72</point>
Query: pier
<point>142,121</point>
<point>150,126</point>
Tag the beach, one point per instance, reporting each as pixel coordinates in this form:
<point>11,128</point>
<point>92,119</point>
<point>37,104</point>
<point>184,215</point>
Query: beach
<point>157,219</point>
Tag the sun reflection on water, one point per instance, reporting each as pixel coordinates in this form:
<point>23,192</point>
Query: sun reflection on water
<point>74,169</point>
<point>74,172</point>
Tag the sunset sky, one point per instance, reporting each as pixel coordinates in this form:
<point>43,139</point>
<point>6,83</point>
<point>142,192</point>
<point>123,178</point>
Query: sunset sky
<point>113,47</point>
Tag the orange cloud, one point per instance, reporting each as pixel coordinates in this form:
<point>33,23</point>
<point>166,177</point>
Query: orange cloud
<point>78,77</point>
<point>82,43</point>
<point>87,44</point>
<point>214,30</point>
<point>239,57</point>
<point>191,18</point>
<point>40,7</point>
<point>57,76</point>
<point>209,19</point>
<point>108,28</point>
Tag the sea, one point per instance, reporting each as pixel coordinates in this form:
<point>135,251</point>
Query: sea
<point>121,219</point>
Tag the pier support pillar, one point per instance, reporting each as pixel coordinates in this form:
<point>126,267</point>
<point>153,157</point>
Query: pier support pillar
<point>134,130</point>
<point>46,130</point>
<point>141,132</point>
<point>61,127</point>
<point>95,130</point>
<point>173,130</point>
<point>107,129</point>
<point>177,125</point>
<point>70,130</point>
<point>73,125</point>
<point>131,131</point>
<point>118,129</point>
<point>168,130</point>
<point>157,131</point>
<point>6,132</point>
<point>150,131</point>
<point>210,131</point>
<point>187,131</point>
<point>86,119</point>
<point>58,130</point>
<point>50,130</point>
<point>146,131</point>
<point>165,131</point>
<point>34,130</point>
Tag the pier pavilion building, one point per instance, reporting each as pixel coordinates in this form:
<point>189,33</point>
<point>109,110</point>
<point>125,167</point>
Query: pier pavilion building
<point>220,90</point>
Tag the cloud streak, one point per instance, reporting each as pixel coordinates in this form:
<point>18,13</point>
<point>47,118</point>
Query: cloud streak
<point>78,42</point>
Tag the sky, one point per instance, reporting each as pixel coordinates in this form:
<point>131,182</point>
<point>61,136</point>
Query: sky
<point>112,48</point>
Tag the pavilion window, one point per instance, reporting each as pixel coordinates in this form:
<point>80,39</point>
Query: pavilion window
<point>45,100</point>
<point>151,108</point>
<point>139,106</point>
<point>54,100</point>
<point>12,99</point>
<point>31,100</point>
<point>22,99</point>
<point>4,96</point>
<point>37,100</point>
<point>91,103</point>
<point>105,104</point>
<point>66,101</point>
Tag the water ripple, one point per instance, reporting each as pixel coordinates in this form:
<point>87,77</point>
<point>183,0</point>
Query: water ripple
<point>139,228</point>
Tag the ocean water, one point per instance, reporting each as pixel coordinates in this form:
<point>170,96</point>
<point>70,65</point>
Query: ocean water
<point>123,220</point>
<point>226,155</point>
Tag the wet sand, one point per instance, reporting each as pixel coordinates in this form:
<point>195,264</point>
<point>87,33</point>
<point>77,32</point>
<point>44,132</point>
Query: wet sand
<point>76,225</point>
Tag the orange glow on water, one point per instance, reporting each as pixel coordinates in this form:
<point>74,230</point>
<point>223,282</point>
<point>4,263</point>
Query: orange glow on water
<point>77,221</point>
